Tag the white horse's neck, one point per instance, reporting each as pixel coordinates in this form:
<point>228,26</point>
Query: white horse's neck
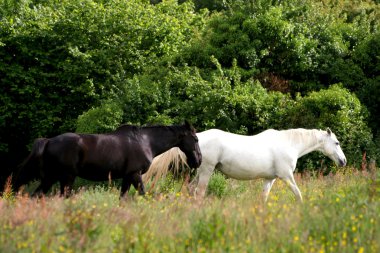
<point>305,141</point>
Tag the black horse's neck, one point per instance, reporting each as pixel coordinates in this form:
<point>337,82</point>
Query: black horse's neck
<point>163,138</point>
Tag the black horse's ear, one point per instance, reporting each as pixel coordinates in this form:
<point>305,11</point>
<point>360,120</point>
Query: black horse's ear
<point>328,130</point>
<point>188,125</point>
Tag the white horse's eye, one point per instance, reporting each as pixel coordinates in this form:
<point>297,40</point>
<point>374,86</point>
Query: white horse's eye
<point>337,143</point>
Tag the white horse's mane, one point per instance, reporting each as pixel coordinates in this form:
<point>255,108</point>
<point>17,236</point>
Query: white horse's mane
<point>301,135</point>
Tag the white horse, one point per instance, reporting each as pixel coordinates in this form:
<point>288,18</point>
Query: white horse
<point>269,155</point>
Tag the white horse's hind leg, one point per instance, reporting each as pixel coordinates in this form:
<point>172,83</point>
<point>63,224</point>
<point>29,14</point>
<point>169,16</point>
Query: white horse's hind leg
<point>268,183</point>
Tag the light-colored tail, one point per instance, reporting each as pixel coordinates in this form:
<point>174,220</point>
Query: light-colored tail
<point>160,165</point>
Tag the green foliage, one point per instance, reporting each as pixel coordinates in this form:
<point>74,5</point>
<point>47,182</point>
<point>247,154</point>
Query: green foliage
<point>104,118</point>
<point>260,38</point>
<point>142,100</point>
<point>206,103</point>
<point>367,55</point>
<point>217,185</point>
<point>260,109</point>
<point>221,100</point>
<point>308,44</point>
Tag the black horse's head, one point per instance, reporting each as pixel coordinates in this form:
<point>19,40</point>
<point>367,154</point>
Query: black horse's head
<point>24,174</point>
<point>189,145</point>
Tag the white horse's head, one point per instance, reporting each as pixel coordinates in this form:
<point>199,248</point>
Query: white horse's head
<point>332,149</point>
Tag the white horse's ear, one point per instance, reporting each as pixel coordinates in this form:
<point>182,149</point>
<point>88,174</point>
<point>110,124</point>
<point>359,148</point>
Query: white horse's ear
<point>329,131</point>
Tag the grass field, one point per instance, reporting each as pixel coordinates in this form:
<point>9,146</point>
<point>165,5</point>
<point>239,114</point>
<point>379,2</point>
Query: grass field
<point>340,213</point>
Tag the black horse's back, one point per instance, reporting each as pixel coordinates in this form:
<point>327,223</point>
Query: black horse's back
<point>64,151</point>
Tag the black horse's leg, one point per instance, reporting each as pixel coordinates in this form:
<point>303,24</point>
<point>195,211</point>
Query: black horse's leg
<point>38,191</point>
<point>125,185</point>
<point>44,187</point>
<point>66,184</point>
<point>138,183</point>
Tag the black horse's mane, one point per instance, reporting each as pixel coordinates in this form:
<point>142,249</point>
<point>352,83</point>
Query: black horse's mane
<point>127,127</point>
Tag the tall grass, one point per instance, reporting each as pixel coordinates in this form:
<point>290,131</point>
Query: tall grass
<point>340,213</point>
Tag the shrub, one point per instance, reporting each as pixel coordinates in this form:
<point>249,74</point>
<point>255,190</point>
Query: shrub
<point>221,100</point>
<point>105,118</point>
<point>367,56</point>
<point>217,185</point>
<point>257,108</point>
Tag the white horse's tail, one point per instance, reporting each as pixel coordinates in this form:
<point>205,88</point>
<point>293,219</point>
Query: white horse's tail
<point>173,158</point>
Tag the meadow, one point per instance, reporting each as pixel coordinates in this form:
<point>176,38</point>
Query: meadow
<point>340,213</point>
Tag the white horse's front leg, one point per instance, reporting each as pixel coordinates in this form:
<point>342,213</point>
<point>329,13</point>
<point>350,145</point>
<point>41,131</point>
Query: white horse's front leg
<point>203,175</point>
<point>268,183</point>
<point>293,186</point>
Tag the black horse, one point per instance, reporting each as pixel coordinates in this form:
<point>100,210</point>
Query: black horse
<point>125,153</point>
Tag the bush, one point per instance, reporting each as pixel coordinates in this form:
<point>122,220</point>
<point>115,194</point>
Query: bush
<point>259,109</point>
<point>367,56</point>
<point>104,118</point>
<point>217,185</point>
<point>221,100</point>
